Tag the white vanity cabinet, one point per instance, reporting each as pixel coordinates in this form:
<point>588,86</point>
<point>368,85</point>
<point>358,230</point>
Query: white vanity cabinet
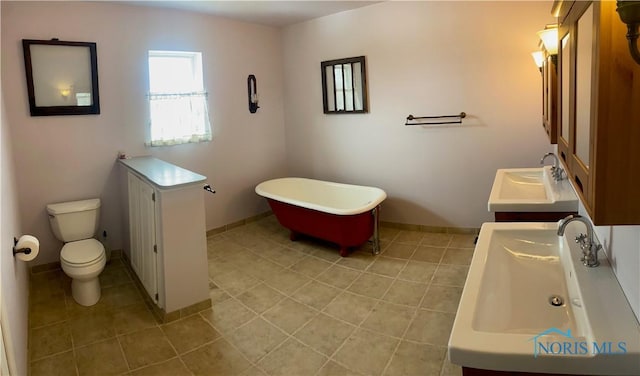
<point>167,246</point>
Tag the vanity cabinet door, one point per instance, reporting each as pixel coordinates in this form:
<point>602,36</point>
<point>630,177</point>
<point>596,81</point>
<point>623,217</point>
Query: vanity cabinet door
<point>142,232</point>
<point>549,102</point>
<point>599,111</point>
<point>581,143</point>
<point>565,94</point>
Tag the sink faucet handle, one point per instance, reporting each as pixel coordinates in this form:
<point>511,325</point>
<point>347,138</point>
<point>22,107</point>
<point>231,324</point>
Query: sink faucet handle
<point>581,239</point>
<point>557,173</point>
<point>584,242</point>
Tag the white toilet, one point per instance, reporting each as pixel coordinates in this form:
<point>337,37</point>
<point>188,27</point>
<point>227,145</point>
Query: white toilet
<point>82,257</point>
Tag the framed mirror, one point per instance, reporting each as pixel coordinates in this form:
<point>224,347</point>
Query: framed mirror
<point>62,77</point>
<point>344,86</point>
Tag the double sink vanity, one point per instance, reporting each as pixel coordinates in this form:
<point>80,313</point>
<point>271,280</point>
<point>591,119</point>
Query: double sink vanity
<point>535,301</point>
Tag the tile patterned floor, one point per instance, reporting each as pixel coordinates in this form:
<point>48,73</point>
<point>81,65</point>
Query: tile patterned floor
<point>279,308</point>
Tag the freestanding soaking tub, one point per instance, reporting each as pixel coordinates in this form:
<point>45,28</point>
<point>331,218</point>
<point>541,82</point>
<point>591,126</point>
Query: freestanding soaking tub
<point>340,213</point>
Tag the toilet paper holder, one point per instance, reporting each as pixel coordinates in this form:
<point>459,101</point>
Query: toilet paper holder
<point>26,251</point>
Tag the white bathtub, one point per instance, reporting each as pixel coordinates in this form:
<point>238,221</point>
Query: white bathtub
<point>341,213</point>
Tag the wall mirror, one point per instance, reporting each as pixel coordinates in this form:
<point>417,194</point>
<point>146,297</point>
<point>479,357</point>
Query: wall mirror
<point>62,77</point>
<point>344,86</point>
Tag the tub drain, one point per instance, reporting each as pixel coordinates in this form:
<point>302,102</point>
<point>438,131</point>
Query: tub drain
<point>556,300</point>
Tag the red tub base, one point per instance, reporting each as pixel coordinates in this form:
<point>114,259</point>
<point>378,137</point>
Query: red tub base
<point>345,230</point>
<point>294,236</point>
<point>344,252</point>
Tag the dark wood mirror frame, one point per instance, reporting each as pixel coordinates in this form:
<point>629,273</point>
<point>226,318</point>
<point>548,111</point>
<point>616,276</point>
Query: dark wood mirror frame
<point>358,79</point>
<point>91,109</point>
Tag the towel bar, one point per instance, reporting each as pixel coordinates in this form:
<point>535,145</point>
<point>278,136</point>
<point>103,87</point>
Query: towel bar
<point>433,120</point>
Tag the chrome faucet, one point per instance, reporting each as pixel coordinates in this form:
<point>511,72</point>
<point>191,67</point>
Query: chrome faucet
<point>556,170</point>
<point>587,242</point>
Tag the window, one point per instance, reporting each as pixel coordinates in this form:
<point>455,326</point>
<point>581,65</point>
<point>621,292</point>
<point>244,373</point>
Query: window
<point>344,88</point>
<point>177,100</point>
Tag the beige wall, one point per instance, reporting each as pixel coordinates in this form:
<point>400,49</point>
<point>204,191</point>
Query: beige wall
<point>14,278</point>
<point>622,245</point>
<point>423,58</point>
<point>61,158</point>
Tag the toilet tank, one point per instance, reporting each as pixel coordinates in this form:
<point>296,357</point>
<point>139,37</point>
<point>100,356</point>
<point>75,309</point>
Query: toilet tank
<point>75,220</point>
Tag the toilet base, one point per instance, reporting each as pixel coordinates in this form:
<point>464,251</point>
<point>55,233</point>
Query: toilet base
<point>86,292</point>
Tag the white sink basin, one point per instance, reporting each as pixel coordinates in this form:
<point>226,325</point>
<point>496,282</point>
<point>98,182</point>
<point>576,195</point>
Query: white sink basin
<point>531,190</point>
<point>506,322</point>
<point>530,262</point>
<point>523,184</point>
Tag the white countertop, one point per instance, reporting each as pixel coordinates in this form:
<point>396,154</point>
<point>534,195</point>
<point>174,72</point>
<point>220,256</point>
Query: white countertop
<point>162,174</point>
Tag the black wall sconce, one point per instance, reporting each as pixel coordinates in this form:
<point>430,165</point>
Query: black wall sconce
<point>252,91</point>
<point>629,12</point>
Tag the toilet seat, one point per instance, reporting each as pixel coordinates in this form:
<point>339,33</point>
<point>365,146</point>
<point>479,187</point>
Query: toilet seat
<point>82,252</point>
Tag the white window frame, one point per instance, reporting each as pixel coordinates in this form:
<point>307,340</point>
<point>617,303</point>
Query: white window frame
<point>178,115</point>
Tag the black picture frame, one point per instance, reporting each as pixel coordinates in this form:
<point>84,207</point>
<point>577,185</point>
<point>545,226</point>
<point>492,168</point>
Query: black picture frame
<point>52,110</point>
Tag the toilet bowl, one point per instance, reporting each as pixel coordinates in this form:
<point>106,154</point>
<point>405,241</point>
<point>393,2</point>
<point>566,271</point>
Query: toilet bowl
<point>82,257</point>
<point>83,261</point>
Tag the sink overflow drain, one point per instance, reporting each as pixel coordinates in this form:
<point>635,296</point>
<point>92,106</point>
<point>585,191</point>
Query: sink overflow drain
<point>556,301</point>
